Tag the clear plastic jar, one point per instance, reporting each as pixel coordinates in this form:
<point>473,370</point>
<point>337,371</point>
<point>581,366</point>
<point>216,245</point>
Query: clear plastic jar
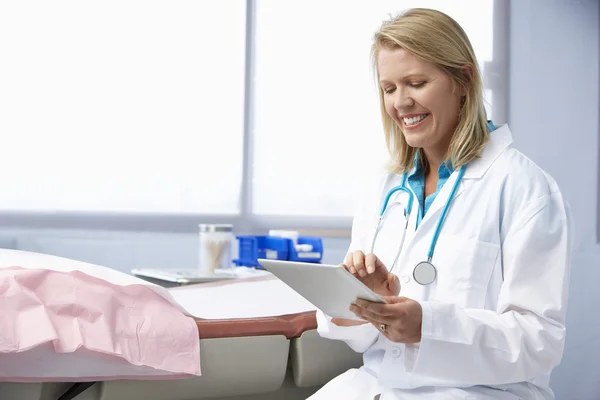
<point>215,242</point>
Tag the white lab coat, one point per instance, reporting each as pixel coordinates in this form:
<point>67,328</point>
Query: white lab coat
<point>494,320</point>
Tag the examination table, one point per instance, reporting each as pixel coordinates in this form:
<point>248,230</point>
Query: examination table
<point>262,357</point>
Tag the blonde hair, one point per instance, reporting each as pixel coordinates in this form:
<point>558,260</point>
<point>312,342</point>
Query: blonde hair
<point>435,37</point>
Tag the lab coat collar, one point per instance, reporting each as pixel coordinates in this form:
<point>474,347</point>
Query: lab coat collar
<point>500,139</point>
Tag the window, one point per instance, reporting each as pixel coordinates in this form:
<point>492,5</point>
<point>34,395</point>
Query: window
<point>317,130</point>
<point>255,110</point>
<point>131,106</point>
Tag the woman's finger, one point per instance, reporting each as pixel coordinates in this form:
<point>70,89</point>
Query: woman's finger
<point>372,317</point>
<point>383,309</point>
<point>347,322</point>
<point>359,263</point>
<point>349,263</point>
<point>372,262</point>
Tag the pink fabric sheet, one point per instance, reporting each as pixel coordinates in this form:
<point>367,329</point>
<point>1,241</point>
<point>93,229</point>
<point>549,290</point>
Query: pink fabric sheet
<point>72,326</point>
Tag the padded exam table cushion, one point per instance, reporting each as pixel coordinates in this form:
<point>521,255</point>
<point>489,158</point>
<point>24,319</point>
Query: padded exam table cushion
<point>64,320</point>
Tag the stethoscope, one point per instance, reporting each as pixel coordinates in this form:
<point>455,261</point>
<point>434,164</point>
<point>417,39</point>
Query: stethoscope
<point>424,272</point>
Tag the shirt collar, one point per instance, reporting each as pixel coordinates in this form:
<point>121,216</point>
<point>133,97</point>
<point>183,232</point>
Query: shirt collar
<point>444,171</point>
<point>446,168</point>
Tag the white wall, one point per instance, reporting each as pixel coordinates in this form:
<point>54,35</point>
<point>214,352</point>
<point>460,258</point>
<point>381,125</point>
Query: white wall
<point>554,115</point>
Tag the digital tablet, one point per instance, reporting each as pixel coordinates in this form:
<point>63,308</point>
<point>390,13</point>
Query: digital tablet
<point>330,288</point>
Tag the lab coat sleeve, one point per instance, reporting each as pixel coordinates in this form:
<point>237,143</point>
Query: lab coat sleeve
<point>359,337</point>
<point>525,336</point>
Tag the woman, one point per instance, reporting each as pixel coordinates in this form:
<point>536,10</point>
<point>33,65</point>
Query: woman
<point>483,314</point>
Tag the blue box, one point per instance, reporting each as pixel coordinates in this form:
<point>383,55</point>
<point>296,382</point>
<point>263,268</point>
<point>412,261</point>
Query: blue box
<point>313,256</point>
<point>251,248</point>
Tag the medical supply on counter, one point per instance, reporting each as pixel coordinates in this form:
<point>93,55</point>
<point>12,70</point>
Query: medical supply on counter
<point>251,248</point>
<point>172,277</point>
<point>215,245</point>
<point>293,236</point>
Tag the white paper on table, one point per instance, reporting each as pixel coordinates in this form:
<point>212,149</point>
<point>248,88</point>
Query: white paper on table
<point>243,299</point>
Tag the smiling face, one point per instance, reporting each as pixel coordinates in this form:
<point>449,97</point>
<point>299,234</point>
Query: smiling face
<point>422,99</point>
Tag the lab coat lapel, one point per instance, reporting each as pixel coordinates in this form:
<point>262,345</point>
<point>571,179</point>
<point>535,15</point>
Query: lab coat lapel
<point>500,139</point>
<point>435,210</point>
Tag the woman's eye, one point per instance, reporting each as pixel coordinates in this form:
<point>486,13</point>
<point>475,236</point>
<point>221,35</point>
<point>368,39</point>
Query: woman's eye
<point>416,84</point>
<point>389,90</point>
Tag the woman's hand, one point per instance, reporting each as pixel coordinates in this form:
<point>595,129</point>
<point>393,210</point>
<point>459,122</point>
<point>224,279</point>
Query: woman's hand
<point>401,318</point>
<point>370,270</point>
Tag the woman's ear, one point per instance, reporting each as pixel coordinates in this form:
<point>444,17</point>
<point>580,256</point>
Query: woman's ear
<point>468,73</point>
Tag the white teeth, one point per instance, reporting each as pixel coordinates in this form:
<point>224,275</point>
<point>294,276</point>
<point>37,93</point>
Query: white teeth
<point>414,120</point>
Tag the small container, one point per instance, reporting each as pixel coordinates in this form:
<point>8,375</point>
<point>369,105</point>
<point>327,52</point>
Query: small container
<point>215,242</point>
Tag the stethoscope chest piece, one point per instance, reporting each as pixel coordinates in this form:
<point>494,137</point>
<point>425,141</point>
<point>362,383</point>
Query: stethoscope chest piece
<point>424,273</point>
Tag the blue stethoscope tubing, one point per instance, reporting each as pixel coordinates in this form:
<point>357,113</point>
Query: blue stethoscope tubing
<point>424,269</point>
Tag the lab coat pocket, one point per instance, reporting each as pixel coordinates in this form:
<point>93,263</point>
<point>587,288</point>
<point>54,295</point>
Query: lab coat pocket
<point>465,266</point>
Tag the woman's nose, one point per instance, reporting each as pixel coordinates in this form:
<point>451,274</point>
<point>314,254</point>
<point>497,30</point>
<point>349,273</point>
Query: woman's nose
<point>403,101</point>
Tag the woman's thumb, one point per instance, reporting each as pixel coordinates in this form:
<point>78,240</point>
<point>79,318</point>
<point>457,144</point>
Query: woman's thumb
<point>394,282</point>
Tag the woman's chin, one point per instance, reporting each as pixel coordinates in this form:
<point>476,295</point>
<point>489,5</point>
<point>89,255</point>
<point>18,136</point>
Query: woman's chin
<point>414,140</point>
